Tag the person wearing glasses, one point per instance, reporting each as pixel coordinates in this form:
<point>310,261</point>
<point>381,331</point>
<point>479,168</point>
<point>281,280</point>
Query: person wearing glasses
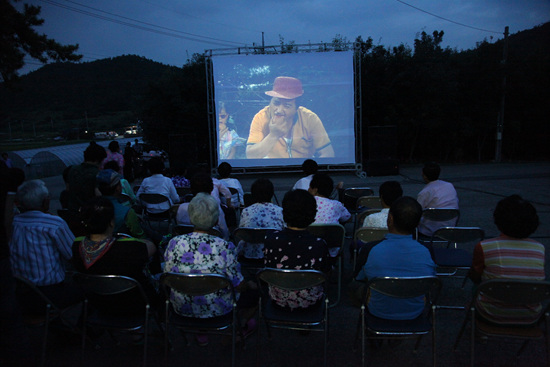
<point>228,138</point>
<point>284,129</point>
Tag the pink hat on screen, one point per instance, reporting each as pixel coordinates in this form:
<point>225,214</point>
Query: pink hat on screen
<point>286,87</point>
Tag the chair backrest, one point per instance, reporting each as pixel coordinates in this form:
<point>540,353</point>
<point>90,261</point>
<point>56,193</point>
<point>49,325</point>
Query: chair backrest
<point>23,285</point>
<point>406,287</point>
<point>361,216</point>
<point>333,233</point>
<point>370,202</point>
<point>515,292</point>
<point>291,279</point>
<point>441,214</point>
<point>107,285</point>
<point>153,198</point>
<point>367,234</point>
<point>182,191</point>
<point>180,229</point>
<point>195,284</point>
<point>459,234</point>
<point>352,194</point>
<point>251,235</point>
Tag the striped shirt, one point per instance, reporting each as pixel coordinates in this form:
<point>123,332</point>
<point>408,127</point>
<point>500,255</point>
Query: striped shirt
<point>40,246</point>
<point>508,258</point>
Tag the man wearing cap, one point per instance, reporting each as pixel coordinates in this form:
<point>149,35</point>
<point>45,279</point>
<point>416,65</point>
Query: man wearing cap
<point>286,130</point>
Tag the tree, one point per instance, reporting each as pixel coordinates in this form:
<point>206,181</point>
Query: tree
<point>18,38</point>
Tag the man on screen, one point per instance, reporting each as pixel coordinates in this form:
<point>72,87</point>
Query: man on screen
<point>284,129</point>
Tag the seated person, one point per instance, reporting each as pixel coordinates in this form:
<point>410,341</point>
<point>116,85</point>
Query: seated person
<point>201,182</point>
<point>101,252</point>
<point>328,210</point>
<point>126,188</point>
<point>200,252</point>
<point>511,255</point>
<point>310,168</point>
<point>40,248</point>
<point>295,248</point>
<point>389,191</point>
<point>224,170</point>
<point>158,184</point>
<point>262,214</point>
<point>398,255</point>
<point>126,219</point>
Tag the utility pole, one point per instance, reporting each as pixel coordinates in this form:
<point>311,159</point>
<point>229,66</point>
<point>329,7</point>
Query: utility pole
<point>500,118</point>
<point>263,44</point>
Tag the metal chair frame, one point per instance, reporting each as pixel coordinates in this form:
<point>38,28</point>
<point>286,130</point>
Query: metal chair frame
<point>334,235</point>
<point>350,197</point>
<point>199,285</point>
<point>155,198</point>
<point>513,292</point>
<point>113,285</point>
<point>316,319</point>
<point>367,234</point>
<point>400,287</point>
<point>369,202</point>
<point>439,215</point>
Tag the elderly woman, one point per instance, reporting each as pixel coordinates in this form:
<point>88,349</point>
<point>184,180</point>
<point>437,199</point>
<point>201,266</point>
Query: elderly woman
<point>200,252</point>
<point>328,210</point>
<point>101,252</point>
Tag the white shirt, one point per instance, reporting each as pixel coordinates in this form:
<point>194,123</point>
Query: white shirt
<point>437,194</point>
<point>303,183</point>
<point>234,183</point>
<point>158,184</point>
<point>377,220</point>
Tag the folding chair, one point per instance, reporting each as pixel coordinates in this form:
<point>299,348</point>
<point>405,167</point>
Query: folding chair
<point>350,199</point>
<point>512,293</point>
<point>369,202</point>
<point>153,198</point>
<point>195,285</point>
<point>314,318</point>
<point>117,303</point>
<point>442,215</point>
<point>252,236</point>
<point>51,311</point>
<point>334,235</point>
<point>367,234</point>
<point>454,256</point>
<point>373,327</point>
<point>179,229</point>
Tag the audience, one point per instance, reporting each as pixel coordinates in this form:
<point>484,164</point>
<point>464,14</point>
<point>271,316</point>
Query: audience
<point>40,247</point>
<point>224,170</point>
<point>114,155</point>
<point>398,255</point>
<point>436,194</point>
<point>101,252</point>
<point>158,184</point>
<point>262,214</point>
<point>200,252</point>
<point>295,248</point>
<point>81,184</point>
<point>389,191</point>
<point>126,187</point>
<point>310,168</point>
<point>511,255</point>
<point>328,210</point>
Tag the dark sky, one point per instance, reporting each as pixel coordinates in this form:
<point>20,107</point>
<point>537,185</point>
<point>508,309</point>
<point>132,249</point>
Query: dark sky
<point>169,31</point>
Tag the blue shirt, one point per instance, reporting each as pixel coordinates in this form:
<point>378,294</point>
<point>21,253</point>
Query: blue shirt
<point>397,256</point>
<point>40,247</point>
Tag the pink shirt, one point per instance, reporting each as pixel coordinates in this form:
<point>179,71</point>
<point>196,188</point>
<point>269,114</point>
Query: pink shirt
<point>330,211</point>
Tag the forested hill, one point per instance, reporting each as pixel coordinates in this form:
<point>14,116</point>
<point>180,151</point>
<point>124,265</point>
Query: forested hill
<point>65,91</point>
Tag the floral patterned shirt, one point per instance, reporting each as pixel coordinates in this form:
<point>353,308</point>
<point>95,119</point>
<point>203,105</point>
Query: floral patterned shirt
<point>293,249</point>
<point>114,156</point>
<point>198,253</point>
<point>259,215</point>
<point>330,211</point>
<point>227,141</point>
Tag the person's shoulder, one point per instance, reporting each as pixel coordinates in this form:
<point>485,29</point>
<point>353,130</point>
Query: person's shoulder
<point>307,114</point>
<point>262,113</point>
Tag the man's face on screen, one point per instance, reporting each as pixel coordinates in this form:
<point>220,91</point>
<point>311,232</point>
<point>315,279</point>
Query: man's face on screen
<point>283,108</point>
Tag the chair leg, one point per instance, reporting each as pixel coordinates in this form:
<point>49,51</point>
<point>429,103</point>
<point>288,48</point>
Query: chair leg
<point>326,329</point>
<point>461,331</point>
<point>522,348</point>
<point>340,265</point>
<point>233,335</point>
<point>434,339</point>
<point>363,335</point>
<point>146,334</point>
<point>84,322</point>
<point>45,338</point>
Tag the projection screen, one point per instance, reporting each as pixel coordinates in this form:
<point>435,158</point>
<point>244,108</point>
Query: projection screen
<point>318,124</point>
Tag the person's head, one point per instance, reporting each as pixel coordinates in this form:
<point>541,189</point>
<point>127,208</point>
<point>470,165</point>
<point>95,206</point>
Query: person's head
<point>108,182</point>
<point>223,116</point>
<point>128,145</point>
<point>516,217</point>
<point>203,211</point>
<point>310,167</point>
<point>201,182</point>
<point>284,103</point>
<point>113,146</point>
<point>262,190</point>
<point>224,169</point>
<point>155,165</point>
<point>33,195</point>
<point>98,215</point>
<point>299,208</point>
<point>431,171</point>
<point>390,191</point>
<point>94,153</point>
<point>321,184</point>
<point>404,215</point>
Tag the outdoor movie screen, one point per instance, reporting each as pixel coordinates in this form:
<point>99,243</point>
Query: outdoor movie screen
<point>280,109</point>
